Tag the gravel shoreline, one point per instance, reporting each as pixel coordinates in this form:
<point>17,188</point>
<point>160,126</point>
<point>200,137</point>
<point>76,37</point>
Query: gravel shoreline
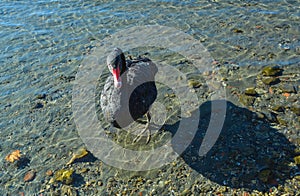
<point>257,152</point>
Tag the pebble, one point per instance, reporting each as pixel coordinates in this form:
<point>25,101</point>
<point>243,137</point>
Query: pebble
<point>287,88</point>
<point>161,184</point>
<point>264,175</point>
<point>246,99</point>
<point>271,71</point>
<point>278,108</point>
<point>296,110</point>
<point>194,83</point>
<point>250,91</point>
<point>270,80</point>
<point>29,176</point>
<point>38,105</point>
<point>281,120</point>
<point>49,172</point>
<point>99,183</point>
<point>237,31</point>
<point>297,160</point>
<point>41,96</point>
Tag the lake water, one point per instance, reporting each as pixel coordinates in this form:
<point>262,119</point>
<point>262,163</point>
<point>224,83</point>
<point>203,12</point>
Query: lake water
<point>43,43</point>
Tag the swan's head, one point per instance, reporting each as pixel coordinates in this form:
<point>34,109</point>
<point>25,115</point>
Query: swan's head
<point>116,64</point>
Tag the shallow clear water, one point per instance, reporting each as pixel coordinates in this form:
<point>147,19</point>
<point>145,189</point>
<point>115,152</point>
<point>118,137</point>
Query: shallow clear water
<point>44,42</point>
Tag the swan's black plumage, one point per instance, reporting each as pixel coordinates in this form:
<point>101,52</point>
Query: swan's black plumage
<point>123,105</point>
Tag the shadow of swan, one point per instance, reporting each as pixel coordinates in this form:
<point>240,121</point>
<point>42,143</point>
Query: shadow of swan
<point>248,153</point>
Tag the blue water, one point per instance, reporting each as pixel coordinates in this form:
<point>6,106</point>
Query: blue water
<point>44,42</point>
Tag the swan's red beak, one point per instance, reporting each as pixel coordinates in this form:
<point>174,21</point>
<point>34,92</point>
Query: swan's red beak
<point>117,78</point>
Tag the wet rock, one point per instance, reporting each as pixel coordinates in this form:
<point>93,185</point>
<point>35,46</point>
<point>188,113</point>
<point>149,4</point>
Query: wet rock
<point>271,55</point>
<point>41,96</point>
<point>272,71</point>
<point>79,154</point>
<point>282,26</point>
<point>296,110</point>
<point>170,95</point>
<point>64,176</point>
<point>296,140</point>
<point>264,175</point>
<point>270,80</point>
<point>67,190</point>
<point>237,31</point>
<point>287,88</point>
<point>281,120</point>
<point>186,192</point>
<point>278,108</point>
<point>29,176</point>
<point>38,105</point>
<point>270,116</point>
<point>100,183</point>
<point>246,99</point>
<point>83,170</point>
<point>194,83</point>
<point>260,115</point>
<point>49,172</point>
<point>297,160</point>
<point>297,175</point>
<point>250,91</point>
<point>67,78</point>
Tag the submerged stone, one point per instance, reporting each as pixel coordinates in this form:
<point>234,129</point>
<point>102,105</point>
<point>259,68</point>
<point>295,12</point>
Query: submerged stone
<point>281,120</point>
<point>287,88</point>
<point>270,80</point>
<point>297,160</point>
<point>29,176</point>
<point>296,110</point>
<point>264,175</point>
<point>246,99</point>
<point>79,154</point>
<point>237,31</point>
<point>194,83</point>
<point>64,176</point>
<point>38,105</point>
<point>272,71</point>
<point>278,108</point>
<point>250,91</point>
<point>41,96</point>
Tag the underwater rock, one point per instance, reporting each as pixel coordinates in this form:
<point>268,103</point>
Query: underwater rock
<point>297,175</point>
<point>278,108</point>
<point>250,91</point>
<point>64,176</point>
<point>170,95</point>
<point>264,175</point>
<point>49,172</point>
<point>67,190</point>
<point>296,110</point>
<point>79,154</point>
<point>287,88</point>
<point>272,71</point>
<point>246,99</point>
<point>29,176</point>
<point>281,120</point>
<point>297,160</point>
<point>194,83</point>
<point>41,96</point>
<point>237,31</point>
<point>38,105</point>
<point>270,80</point>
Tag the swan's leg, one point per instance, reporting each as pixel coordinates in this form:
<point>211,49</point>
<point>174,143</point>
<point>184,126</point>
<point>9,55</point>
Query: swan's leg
<point>144,130</point>
<point>147,127</point>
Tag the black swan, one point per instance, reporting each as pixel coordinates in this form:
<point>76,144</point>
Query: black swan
<point>130,91</point>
